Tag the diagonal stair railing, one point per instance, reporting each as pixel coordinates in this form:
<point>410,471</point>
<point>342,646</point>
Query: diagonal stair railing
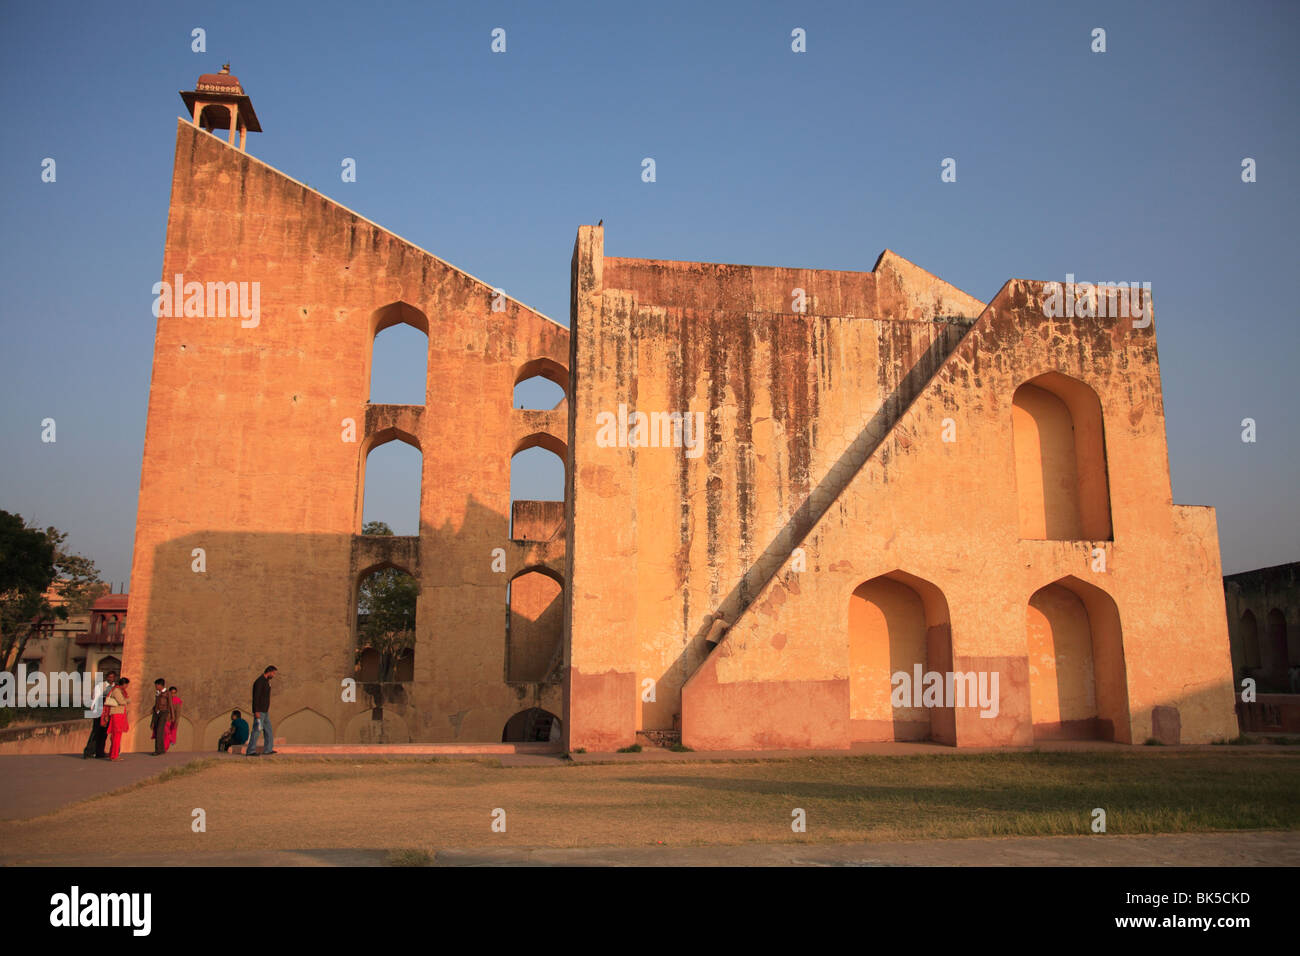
<point>824,495</point>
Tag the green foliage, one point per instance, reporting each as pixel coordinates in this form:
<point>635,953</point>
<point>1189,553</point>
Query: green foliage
<point>680,748</point>
<point>386,610</point>
<point>634,749</point>
<point>78,578</point>
<point>26,556</point>
<point>31,559</point>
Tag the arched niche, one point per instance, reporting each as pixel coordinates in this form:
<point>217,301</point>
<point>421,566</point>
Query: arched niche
<point>1062,485</point>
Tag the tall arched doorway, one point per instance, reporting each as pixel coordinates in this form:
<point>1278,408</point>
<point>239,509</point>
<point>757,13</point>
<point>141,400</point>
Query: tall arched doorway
<point>899,631</point>
<point>1077,684</point>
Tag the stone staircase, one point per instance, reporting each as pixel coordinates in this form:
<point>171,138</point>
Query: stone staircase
<point>555,669</point>
<point>538,728</point>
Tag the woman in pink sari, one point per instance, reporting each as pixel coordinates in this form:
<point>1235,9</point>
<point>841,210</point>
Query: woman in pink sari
<point>170,740</point>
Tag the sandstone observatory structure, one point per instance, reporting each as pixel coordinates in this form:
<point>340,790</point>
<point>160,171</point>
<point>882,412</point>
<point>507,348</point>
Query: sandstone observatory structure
<point>803,508</point>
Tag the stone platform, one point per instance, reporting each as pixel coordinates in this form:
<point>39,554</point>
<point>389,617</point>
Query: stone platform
<point>412,750</point>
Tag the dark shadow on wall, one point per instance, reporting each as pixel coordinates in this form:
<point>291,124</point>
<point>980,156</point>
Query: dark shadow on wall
<point>837,478</point>
<point>223,605</point>
<point>530,726</point>
<point>819,500</point>
<point>534,626</point>
<point>1265,634</point>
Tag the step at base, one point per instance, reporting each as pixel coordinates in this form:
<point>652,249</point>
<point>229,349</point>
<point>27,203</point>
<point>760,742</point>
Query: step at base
<point>663,739</point>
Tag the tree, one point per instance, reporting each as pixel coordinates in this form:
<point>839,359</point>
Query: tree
<point>76,578</point>
<point>386,611</point>
<point>26,571</point>
<point>31,560</point>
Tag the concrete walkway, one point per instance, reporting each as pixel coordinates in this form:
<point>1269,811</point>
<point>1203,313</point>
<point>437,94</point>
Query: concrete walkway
<point>1246,848</point>
<point>35,784</point>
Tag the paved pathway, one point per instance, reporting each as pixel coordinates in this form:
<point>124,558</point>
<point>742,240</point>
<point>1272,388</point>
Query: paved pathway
<point>35,784</point>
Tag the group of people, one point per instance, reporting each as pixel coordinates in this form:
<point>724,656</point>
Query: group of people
<point>111,700</point>
<point>239,733</point>
<point>110,704</point>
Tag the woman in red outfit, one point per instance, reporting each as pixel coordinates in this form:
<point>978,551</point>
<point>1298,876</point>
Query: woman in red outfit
<point>115,708</point>
<point>170,740</point>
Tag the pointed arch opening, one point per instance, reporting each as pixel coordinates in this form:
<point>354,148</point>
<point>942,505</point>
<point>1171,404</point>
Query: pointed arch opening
<point>306,726</point>
<point>391,483</point>
<point>1248,628</point>
<point>1062,486</point>
<point>537,487</point>
<point>899,633</point>
<point>541,384</point>
<point>534,626</point>
<point>1078,687</point>
<point>386,601</point>
<point>398,370</point>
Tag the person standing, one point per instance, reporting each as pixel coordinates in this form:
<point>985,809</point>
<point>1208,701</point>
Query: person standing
<point>261,717</point>
<point>115,711</point>
<point>162,711</point>
<point>174,724</point>
<point>98,726</point>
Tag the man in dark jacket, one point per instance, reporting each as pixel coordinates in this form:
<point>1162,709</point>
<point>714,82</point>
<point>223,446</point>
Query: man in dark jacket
<point>262,704</point>
<point>162,715</point>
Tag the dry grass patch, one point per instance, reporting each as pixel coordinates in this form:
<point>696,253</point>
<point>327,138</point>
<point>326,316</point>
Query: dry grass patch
<point>400,804</point>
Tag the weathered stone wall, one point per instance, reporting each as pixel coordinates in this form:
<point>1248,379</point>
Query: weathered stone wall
<point>1263,608</point>
<point>814,442</point>
<point>865,449</point>
<point>63,737</point>
<point>245,458</point>
<point>536,626</point>
<point>946,512</point>
<point>781,394</point>
<point>538,520</point>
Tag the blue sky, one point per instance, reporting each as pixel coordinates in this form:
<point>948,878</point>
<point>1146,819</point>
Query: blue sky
<point>1117,165</point>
